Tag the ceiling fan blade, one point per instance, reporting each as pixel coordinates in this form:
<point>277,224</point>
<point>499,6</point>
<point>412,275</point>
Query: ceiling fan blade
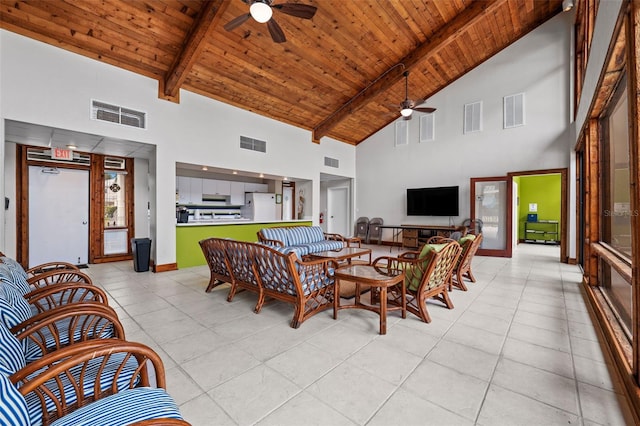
<point>298,10</point>
<point>276,32</point>
<point>425,109</point>
<point>236,22</point>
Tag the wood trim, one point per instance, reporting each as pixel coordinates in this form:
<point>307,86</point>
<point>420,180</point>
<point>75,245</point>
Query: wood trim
<point>22,206</point>
<point>564,235</point>
<point>592,201</point>
<point>620,265</point>
<point>96,203</point>
<point>633,82</point>
<point>164,267</point>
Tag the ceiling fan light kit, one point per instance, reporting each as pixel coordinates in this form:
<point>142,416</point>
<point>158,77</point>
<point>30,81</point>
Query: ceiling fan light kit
<point>408,106</point>
<point>261,12</point>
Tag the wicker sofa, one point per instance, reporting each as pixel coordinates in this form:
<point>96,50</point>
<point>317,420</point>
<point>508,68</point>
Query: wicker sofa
<point>271,272</point>
<point>302,240</point>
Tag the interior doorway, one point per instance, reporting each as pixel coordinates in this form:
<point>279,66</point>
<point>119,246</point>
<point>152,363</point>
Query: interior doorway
<point>59,215</point>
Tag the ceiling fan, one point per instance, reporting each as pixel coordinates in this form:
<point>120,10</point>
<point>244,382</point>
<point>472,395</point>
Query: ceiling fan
<point>408,106</point>
<point>261,11</point>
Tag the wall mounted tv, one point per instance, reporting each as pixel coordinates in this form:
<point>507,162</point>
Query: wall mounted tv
<point>439,201</point>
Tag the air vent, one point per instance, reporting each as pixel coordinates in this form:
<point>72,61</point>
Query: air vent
<point>253,144</point>
<point>331,162</point>
<point>44,155</point>
<point>473,117</point>
<point>427,127</point>
<point>118,115</point>
<point>514,110</point>
<point>114,163</point>
<point>402,132</point>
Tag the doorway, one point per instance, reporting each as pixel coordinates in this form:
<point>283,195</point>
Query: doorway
<point>338,210</point>
<point>59,217</point>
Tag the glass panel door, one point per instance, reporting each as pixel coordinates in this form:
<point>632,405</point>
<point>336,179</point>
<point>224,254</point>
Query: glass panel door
<point>491,208</point>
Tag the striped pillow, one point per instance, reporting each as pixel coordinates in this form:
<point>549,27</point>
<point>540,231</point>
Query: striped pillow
<point>13,408</point>
<point>11,353</point>
<point>19,304</point>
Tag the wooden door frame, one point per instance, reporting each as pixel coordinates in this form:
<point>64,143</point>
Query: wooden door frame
<point>507,252</point>
<point>564,254</point>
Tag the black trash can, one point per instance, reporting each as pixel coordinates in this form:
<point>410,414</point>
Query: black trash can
<point>141,249</point>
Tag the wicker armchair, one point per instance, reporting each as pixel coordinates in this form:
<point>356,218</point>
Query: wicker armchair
<point>105,382</point>
<point>38,269</point>
<point>470,245</point>
<point>308,285</point>
<point>213,250</point>
<point>427,275</point>
<point>240,261</point>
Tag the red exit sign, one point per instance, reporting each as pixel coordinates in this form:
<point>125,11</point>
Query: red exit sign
<point>61,154</point>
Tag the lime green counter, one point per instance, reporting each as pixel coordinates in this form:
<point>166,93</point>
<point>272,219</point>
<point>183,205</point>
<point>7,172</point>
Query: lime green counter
<point>188,252</point>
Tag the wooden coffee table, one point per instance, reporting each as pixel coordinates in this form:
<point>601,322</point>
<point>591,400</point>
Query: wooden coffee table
<point>345,253</point>
<point>380,278</point>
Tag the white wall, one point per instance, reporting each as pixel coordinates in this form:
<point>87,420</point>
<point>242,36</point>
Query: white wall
<point>45,85</point>
<point>539,66</point>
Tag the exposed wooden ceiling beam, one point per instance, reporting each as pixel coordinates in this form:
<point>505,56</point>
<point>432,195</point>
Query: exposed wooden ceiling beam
<point>446,35</point>
<point>209,16</point>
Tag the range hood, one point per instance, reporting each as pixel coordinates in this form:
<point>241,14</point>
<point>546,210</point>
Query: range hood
<point>215,198</point>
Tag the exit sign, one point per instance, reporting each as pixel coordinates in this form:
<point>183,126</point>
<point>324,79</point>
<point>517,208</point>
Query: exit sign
<point>61,154</point>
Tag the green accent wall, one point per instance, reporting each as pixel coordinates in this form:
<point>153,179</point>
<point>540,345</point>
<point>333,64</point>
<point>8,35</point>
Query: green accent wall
<point>544,190</point>
<point>188,251</point>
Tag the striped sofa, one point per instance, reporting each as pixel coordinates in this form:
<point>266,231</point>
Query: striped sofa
<point>302,240</point>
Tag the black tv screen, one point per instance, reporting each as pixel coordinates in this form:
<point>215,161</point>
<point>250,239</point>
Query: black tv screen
<point>440,201</point>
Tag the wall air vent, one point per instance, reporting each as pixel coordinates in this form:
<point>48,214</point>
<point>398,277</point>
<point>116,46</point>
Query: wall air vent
<point>473,117</point>
<point>119,115</point>
<point>427,127</point>
<point>402,132</point>
<point>114,163</point>
<point>331,162</point>
<point>514,110</point>
<point>253,144</point>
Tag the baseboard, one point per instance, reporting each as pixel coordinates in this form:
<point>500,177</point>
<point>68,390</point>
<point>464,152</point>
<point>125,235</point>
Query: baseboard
<point>165,268</point>
<point>572,261</point>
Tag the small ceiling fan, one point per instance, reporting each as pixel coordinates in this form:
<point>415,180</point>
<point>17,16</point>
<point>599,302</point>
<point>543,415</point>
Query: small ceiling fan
<point>408,106</point>
<point>261,11</point>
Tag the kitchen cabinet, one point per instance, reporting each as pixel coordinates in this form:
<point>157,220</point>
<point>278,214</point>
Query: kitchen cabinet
<point>196,190</point>
<point>216,187</point>
<point>189,190</point>
<point>237,193</point>
<point>256,187</point>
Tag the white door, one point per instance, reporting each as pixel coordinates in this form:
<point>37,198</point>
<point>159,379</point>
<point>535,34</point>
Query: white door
<point>337,211</point>
<point>58,215</point>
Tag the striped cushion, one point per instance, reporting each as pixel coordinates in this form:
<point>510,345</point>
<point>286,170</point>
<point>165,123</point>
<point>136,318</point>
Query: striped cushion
<point>13,408</point>
<point>18,303</point>
<point>33,352</point>
<point>11,352</point>
<point>13,264</point>
<point>91,371</point>
<point>14,278</point>
<point>123,408</point>
<point>278,234</point>
<point>324,245</point>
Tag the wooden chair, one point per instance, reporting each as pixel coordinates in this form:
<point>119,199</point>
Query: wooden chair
<point>427,275</point>
<point>469,245</point>
<point>213,250</point>
<point>106,382</point>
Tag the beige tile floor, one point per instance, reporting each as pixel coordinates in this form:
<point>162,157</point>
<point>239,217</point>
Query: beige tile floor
<point>518,349</point>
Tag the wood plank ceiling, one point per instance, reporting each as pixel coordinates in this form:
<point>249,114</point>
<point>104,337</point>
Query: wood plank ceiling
<point>339,74</point>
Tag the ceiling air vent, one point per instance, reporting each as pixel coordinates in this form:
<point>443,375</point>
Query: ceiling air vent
<point>253,144</point>
<point>331,162</point>
<point>118,115</point>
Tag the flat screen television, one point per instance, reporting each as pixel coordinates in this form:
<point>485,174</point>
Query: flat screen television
<point>438,201</point>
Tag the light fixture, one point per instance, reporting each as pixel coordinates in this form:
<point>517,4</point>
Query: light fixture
<point>235,172</point>
<point>567,5</point>
<point>261,175</point>
<point>406,112</point>
<point>204,168</point>
<point>71,146</point>
<point>285,178</point>
<point>260,11</point>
